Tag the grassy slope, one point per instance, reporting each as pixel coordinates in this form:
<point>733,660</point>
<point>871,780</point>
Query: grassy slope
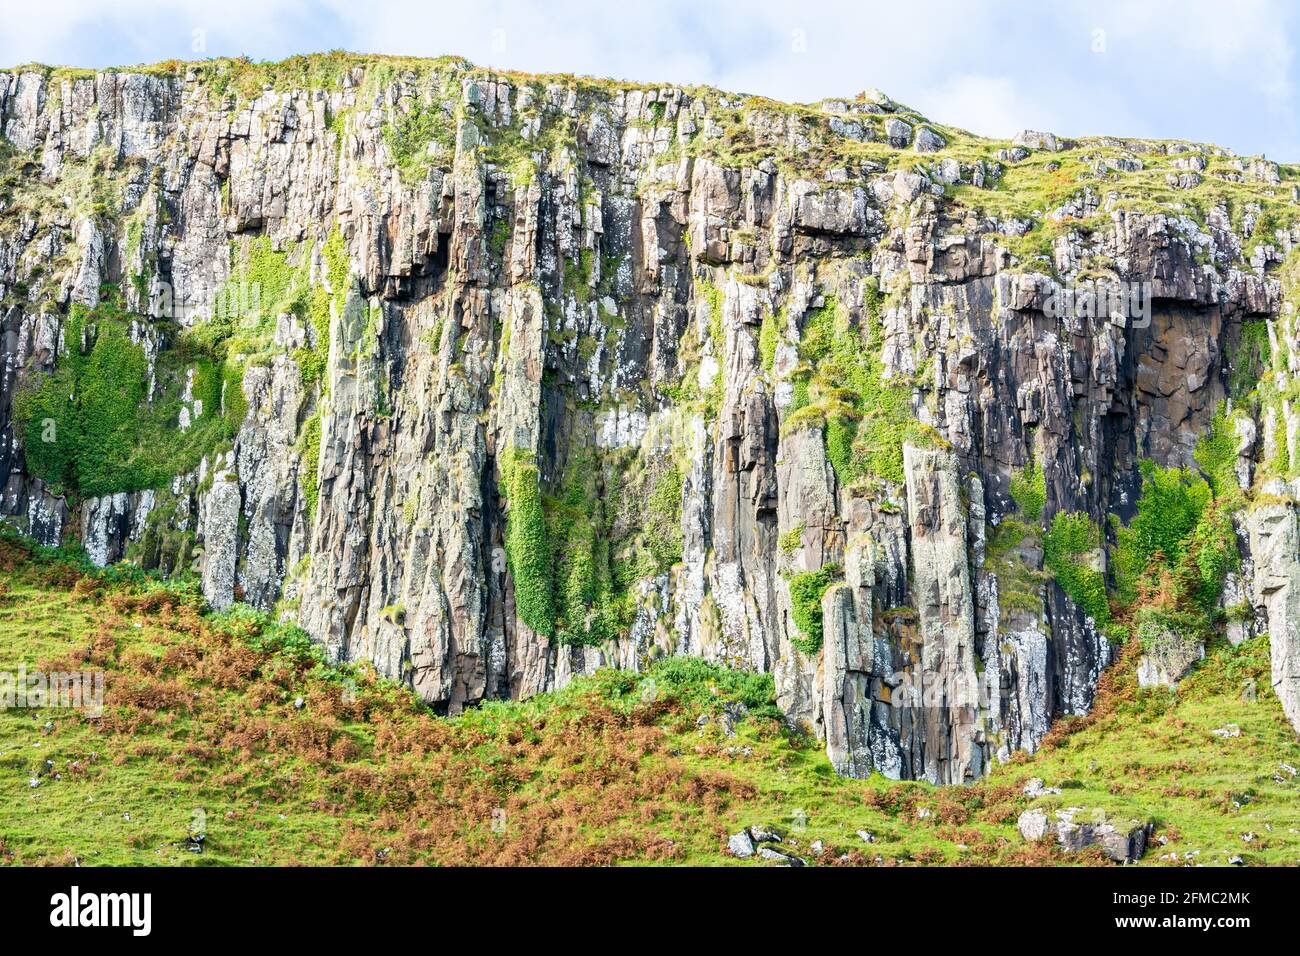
<point>613,769</point>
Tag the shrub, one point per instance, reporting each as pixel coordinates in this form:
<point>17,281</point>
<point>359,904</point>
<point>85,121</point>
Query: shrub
<point>792,540</point>
<point>1211,552</point>
<point>1169,508</point>
<point>806,591</point>
<point>92,428</point>
<point>1216,453</point>
<point>1029,491</point>
<point>700,682</point>
<point>1067,549</point>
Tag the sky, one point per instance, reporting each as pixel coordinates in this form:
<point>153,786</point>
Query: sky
<point>1220,71</point>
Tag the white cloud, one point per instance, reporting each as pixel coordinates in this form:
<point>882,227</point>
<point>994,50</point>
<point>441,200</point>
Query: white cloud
<point>1200,69</point>
<point>989,105</point>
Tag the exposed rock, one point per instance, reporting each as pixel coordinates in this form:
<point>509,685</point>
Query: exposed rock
<point>741,844</point>
<point>1031,139</point>
<point>1076,829</point>
<point>1033,824</point>
<point>1168,658</point>
<point>785,859</point>
<point>1034,788</point>
<point>928,141</point>
<point>898,132</point>
<point>1274,546</point>
<point>947,691</point>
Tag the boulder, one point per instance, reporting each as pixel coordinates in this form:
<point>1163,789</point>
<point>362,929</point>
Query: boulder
<point>741,844</point>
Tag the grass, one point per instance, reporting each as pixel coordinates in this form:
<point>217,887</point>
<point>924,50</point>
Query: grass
<point>200,715</point>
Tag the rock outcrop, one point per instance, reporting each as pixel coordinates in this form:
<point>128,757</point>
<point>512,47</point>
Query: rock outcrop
<point>1274,548</point>
<point>1077,829</point>
<point>493,380</point>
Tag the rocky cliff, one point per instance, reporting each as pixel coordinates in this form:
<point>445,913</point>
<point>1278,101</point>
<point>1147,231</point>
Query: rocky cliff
<point>492,379</point>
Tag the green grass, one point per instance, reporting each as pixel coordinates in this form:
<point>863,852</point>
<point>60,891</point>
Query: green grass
<point>616,768</point>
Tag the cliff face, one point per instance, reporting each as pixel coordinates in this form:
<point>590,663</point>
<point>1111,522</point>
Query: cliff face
<point>491,380</point>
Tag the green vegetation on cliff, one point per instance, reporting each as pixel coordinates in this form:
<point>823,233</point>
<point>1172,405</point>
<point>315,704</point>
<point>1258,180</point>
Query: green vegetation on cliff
<point>841,387</point>
<point>1071,551</point>
<point>93,427</point>
<point>806,592</point>
<point>1168,565</point>
<point>527,548</point>
<point>1029,491</point>
<point>575,551</point>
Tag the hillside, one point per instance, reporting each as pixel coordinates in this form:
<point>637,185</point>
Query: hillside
<point>654,768</point>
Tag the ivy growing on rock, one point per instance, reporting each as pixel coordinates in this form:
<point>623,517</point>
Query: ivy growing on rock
<point>528,552</point>
<point>93,428</point>
<point>576,550</point>
<point>1070,551</point>
<point>806,591</point>
<point>841,387</point>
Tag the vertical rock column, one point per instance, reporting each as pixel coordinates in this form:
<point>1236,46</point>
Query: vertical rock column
<point>848,659</point>
<point>946,694</point>
<point>1275,548</point>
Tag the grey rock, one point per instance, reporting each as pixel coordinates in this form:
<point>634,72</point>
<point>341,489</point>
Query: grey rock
<point>1075,829</point>
<point>785,859</point>
<point>898,132</point>
<point>1168,659</point>
<point>1274,545</point>
<point>1035,788</point>
<point>1032,824</point>
<point>928,141</point>
<point>1032,139</point>
<point>741,844</point>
